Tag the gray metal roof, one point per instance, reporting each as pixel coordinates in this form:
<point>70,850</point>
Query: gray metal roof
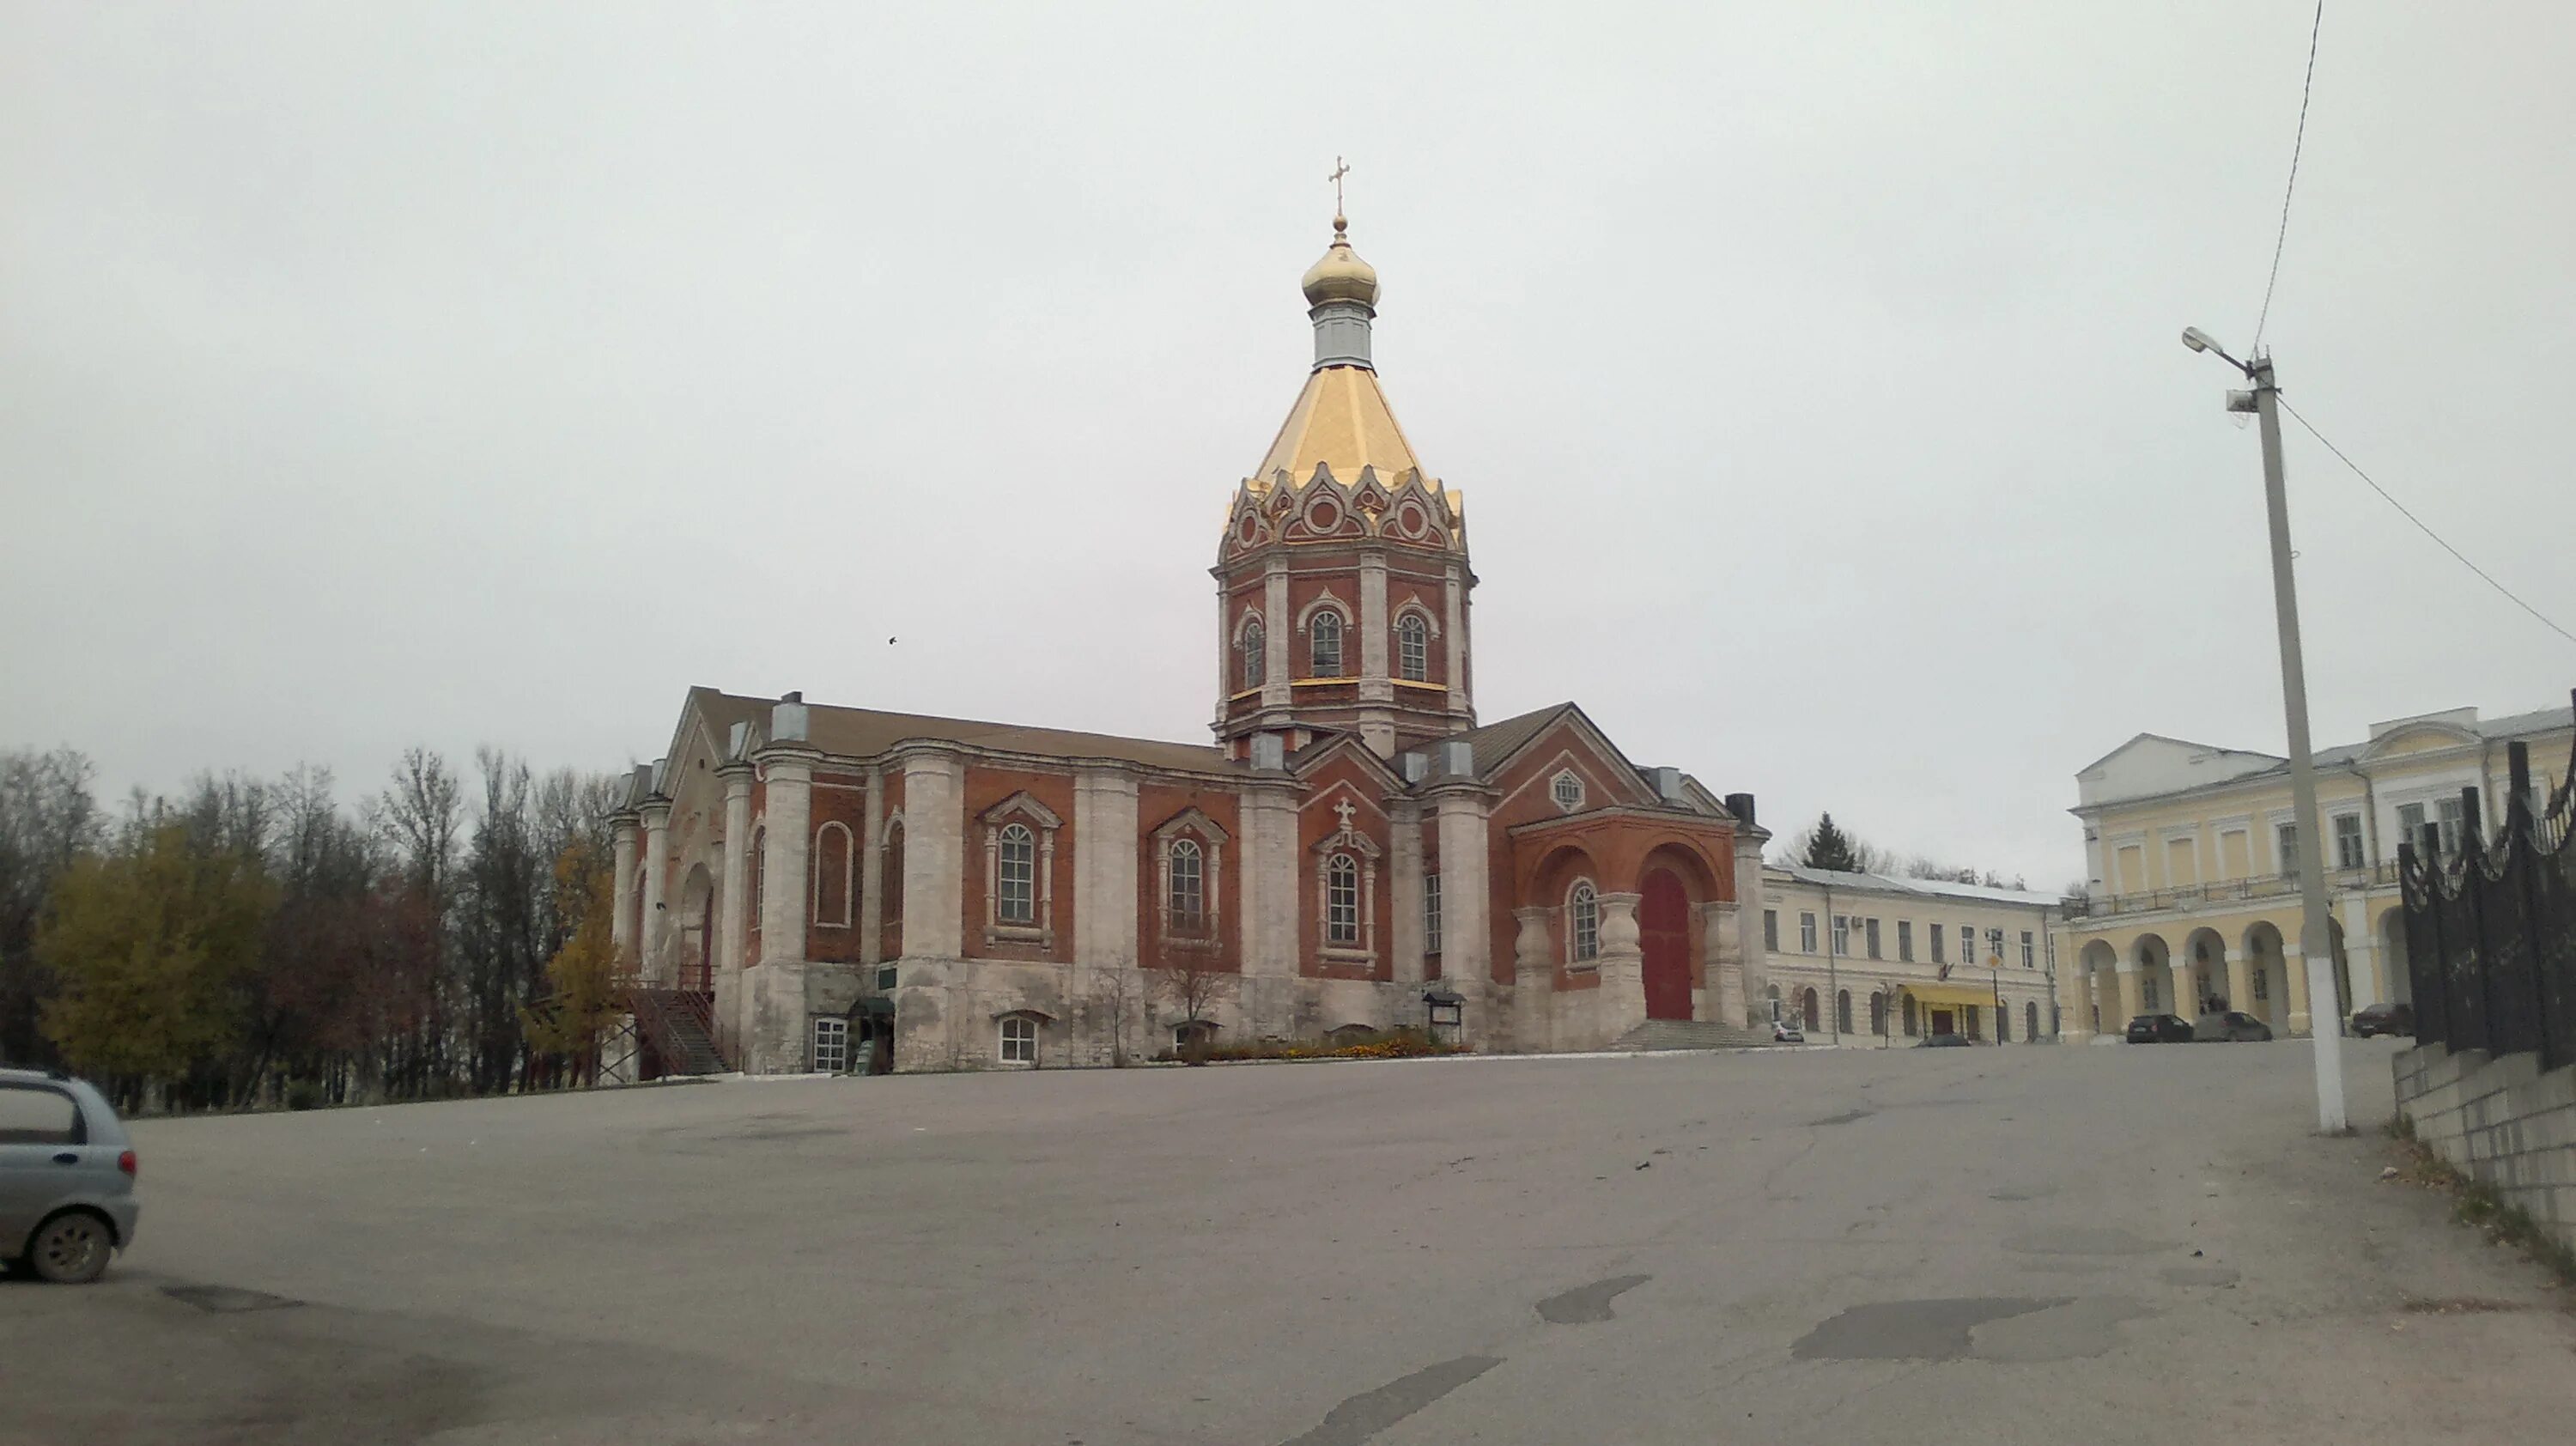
<point>1894,884</point>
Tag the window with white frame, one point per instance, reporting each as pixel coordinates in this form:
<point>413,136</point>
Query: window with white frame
<point>1189,887</point>
<point>1342,901</point>
<point>1017,902</point>
<point>1905,941</point>
<point>2410,823</point>
<point>1842,934</point>
<point>1940,951</point>
<point>1994,946</point>
<point>1967,943</point>
<point>1019,1039</point>
<point>1871,930</point>
<point>1771,930</point>
<point>1583,923</point>
<point>2029,951</point>
<point>1806,933</point>
<point>2450,814</point>
<point>1567,790</point>
<point>1324,644</point>
<point>2349,853</point>
<point>1430,913</point>
<point>1256,655</point>
<point>1412,648</point>
<point>2286,838</point>
<point>831,1044</point>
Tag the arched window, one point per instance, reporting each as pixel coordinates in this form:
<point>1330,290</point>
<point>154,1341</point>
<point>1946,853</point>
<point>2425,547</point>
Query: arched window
<point>1324,644</point>
<point>1342,901</point>
<point>1019,1039</point>
<point>1412,648</point>
<point>1910,1022</point>
<point>834,882</point>
<point>1189,888</point>
<point>759,875</point>
<point>1842,1011</point>
<point>1583,924</point>
<point>1256,658</point>
<point>1878,1014</point>
<point>2030,1021</point>
<point>2003,1024</point>
<point>1811,1016</point>
<point>1017,902</point>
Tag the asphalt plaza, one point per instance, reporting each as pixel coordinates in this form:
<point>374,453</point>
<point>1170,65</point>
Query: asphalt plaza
<point>2022,1243</point>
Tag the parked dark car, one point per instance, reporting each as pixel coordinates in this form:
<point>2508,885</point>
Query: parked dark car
<point>2229,1026</point>
<point>2390,1018</point>
<point>2159,1029</point>
<point>1942,1041</point>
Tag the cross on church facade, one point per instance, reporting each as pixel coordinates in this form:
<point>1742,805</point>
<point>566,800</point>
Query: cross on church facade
<point>1343,810</point>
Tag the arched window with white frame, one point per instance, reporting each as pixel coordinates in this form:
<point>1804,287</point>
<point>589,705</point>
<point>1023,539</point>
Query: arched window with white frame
<point>1017,878</point>
<point>1255,668</point>
<point>1342,901</point>
<point>1324,644</point>
<point>1188,887</point>
<point>1019,1039</point>
<point>1583,923</point>
<point>1413,648</point>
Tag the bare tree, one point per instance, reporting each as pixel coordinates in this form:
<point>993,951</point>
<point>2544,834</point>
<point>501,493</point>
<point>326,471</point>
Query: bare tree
<point>1192,983</point>
<point>47,818</point>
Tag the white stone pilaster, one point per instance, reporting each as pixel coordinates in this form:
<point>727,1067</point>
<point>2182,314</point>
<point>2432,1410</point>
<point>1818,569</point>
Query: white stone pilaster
<point>1276,624</point>
<point>1466,894</point>
<point>1270,883</point>
<point>1620,1002</point>
<point>1753,957</point>
<point>871,872</point>
<point>1533,980</point>
<point>1454,633</point>
<point>1105,842</point>
<point>1721,964</point>
<point>1374,671</point>
<point>733,905</point>
<point>934,856</point>
<point>787,815</point>
<point>1404,888</point>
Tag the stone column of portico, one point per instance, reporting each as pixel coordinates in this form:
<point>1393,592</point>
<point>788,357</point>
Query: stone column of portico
<point>621,930</point>
<point>1620,1002</point>
<point>1404,896</point>
<point>2132,1000</point>
<point>2186,988</point>
<point>2240,980</point>
<point>1721,963</point>
<point>2294,963</point>
<point>1533,983</point>
<point>1753,964</point>
<point>655,945</point>
<point>2074,998</point>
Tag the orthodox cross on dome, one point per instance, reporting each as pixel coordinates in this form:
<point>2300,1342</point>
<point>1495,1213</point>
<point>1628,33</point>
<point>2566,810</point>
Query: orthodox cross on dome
<point>1341,168</point>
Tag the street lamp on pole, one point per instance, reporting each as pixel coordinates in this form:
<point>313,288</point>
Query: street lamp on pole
<point>2316,936</point>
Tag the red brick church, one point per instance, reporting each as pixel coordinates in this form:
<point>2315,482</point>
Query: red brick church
<point>814,887</point>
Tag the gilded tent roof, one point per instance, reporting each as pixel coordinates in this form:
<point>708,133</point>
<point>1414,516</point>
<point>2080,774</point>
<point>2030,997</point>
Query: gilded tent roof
<point>1341,420</point>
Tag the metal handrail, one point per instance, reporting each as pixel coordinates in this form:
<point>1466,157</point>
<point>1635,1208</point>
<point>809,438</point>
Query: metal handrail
<point>2267,886</point>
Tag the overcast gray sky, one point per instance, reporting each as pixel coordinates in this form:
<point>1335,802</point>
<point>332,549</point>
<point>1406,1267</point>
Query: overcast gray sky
<point>373,375</point>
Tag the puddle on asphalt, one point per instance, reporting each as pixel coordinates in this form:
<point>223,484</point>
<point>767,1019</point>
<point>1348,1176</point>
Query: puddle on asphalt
<point>1364,1415</point>
<point>1984,1328</point>
<point>1587,1303</point>
<point>225,1298</point>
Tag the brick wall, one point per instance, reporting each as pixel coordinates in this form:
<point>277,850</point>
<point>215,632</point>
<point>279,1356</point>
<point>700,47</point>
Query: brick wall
<point>2500,1121</point>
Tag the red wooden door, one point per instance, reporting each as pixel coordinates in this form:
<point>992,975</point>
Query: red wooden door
<point>1663,932</point>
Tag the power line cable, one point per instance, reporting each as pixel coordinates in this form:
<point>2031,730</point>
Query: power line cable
<point>2420,526</point>
<point>2296,144</point>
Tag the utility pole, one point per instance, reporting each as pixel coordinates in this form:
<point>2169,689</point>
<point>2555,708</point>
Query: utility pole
<point>2316,933</point>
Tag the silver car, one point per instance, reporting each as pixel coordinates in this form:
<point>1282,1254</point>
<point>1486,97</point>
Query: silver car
<point>66,1176</point>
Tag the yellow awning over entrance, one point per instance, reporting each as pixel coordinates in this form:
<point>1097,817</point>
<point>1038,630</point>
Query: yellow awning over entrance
<point>1951,996</point>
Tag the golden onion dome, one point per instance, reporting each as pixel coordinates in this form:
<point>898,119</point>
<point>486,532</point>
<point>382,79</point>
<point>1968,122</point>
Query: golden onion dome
<point>1341,275</point>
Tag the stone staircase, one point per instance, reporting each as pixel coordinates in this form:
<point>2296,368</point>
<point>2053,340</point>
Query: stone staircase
<point>1657,1034</point>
